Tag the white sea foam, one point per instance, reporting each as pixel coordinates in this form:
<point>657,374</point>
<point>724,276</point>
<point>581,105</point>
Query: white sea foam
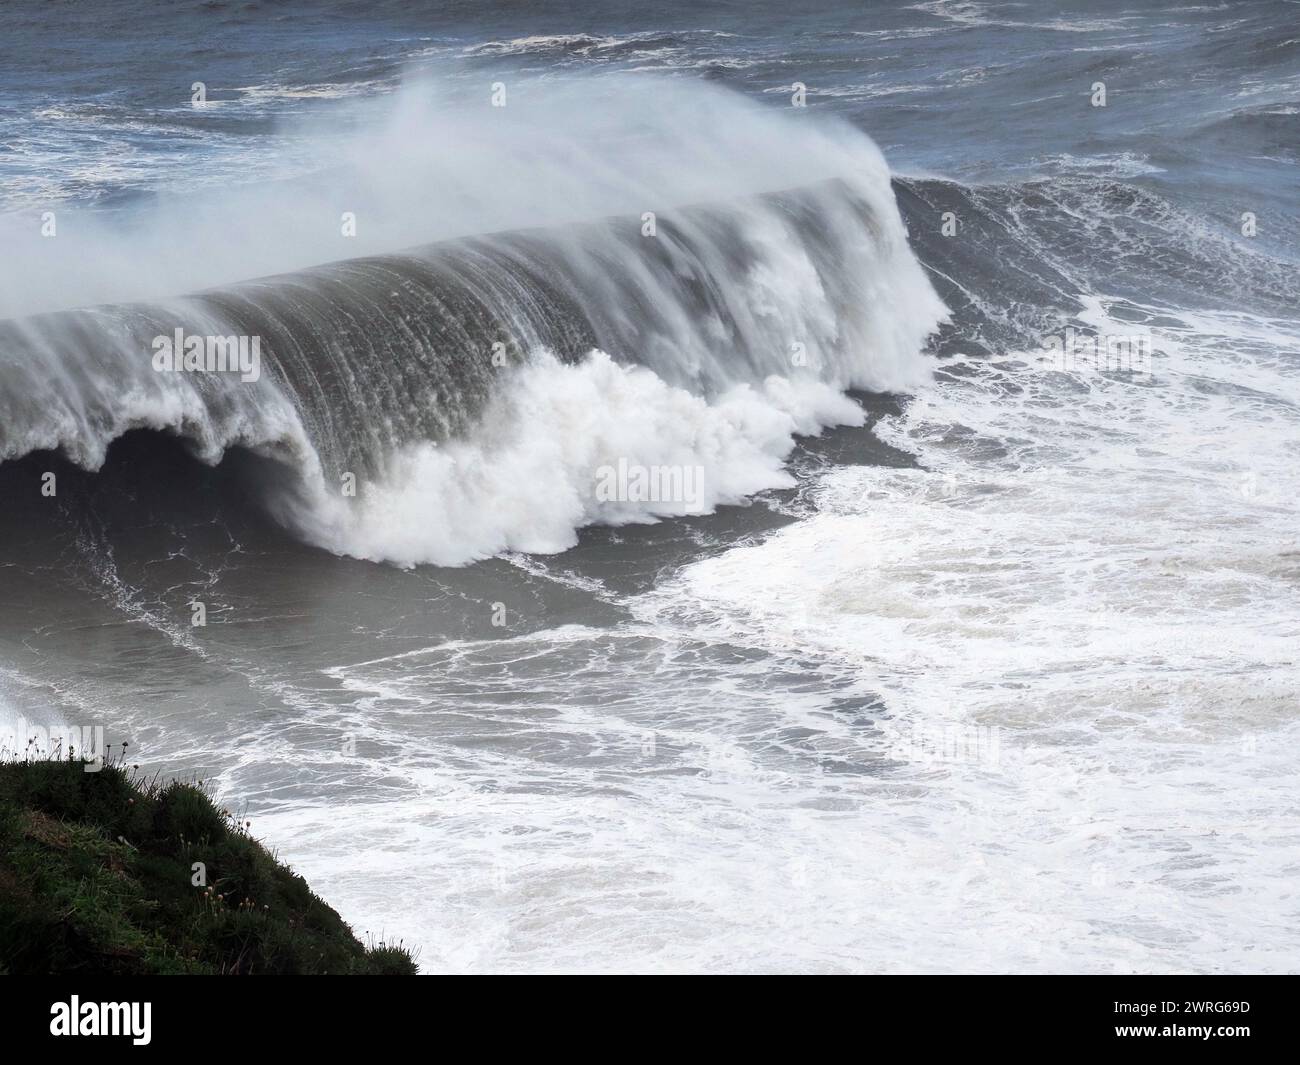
<point>525,479</point>
<point>1102,568</point>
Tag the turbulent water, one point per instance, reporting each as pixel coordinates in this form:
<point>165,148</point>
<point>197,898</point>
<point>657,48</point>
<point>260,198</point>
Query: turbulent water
<point>971,651</point>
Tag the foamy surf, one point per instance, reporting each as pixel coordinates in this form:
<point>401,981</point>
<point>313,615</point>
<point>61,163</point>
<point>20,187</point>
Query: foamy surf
<point>1079,619</point>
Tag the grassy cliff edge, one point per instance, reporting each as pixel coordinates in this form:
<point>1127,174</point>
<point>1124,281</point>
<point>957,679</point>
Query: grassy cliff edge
<point>104,873</point>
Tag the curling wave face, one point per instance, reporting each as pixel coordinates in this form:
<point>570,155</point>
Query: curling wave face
<point>472,388</point>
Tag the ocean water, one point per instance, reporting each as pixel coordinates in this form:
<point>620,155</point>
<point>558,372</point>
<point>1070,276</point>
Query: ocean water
<point>973,648</point>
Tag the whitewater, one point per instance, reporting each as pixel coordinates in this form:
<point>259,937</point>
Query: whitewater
<point>452,375</point>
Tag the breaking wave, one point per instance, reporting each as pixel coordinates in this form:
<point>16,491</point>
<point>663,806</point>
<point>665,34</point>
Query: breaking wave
<point>472,387</point>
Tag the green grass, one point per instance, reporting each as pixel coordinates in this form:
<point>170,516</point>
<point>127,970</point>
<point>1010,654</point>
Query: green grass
<point>97,876</point>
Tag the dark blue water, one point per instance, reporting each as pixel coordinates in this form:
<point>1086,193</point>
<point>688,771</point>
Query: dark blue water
<point>1197,93</point>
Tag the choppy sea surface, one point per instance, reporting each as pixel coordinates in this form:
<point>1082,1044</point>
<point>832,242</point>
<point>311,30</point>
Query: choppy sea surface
<point>975,652</point>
